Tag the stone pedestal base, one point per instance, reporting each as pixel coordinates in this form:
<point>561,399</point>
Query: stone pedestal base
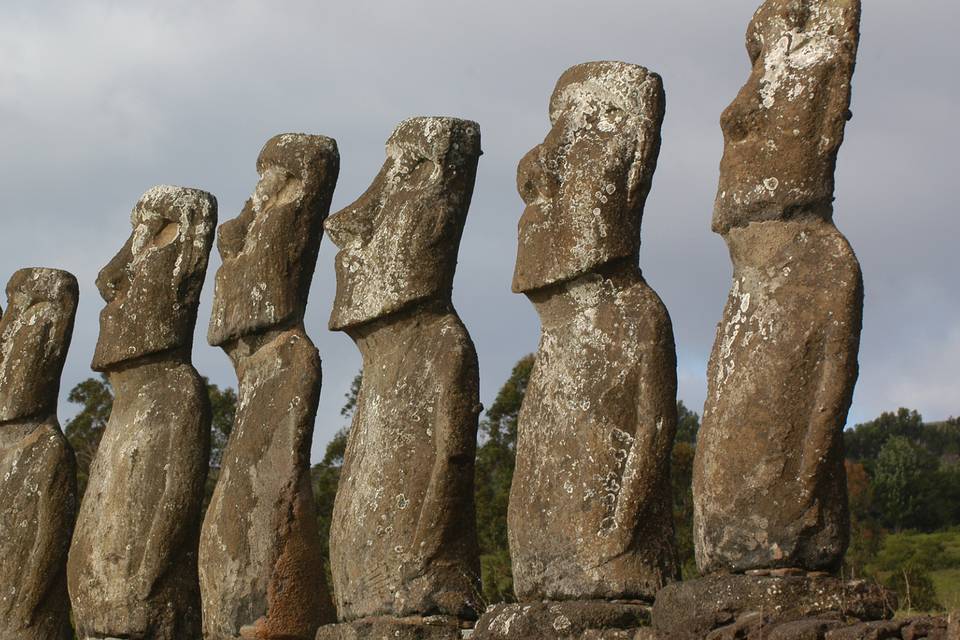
<point>567,620</point>
<point>390,628</point>
<point>696,607</point>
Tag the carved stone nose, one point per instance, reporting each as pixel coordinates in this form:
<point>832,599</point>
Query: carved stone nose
<point>111,276</point>
<point>532,180</point>
<point>347,225</point>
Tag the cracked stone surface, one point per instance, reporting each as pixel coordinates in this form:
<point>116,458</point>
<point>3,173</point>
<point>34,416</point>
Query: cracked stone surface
<point>695,607</point>
<point>590,513</point>
<point>132,569</point>
<point>769,483</point>
<point>570,620</point>
<point>394,628</point>
<point>38,502</point>
<point>261,567</point>
<point>403,534</point>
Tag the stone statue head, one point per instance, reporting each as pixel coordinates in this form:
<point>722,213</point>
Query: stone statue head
<point>35,335</point>
<point>152,286</point>
<point>782,131</point>
<point>585,185</point>
<point>399,241</point>
<point>270,250</point>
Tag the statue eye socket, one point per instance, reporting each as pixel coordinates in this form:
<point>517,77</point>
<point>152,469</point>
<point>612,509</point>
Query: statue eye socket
<point>167,234</point>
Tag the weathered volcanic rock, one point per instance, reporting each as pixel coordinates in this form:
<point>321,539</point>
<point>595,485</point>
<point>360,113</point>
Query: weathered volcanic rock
<point>132,568</point>
<point>261,568</point>
<point>34,339</point>
<point>403,535</point>
<point>393,628</point>
<point>37,467</point>
<point>696,607</point>
<point>570,620</point>
<point>769,482</point>
<point>590,513</point>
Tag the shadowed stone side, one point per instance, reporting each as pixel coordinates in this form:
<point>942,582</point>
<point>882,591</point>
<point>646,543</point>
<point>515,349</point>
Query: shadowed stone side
<point>132,569</point>
<point>403,534</point>
<point>38,502</point>
<point>261,567</point>
<point>590,513</point>
<point>769,483</point>
<point>695,607</point>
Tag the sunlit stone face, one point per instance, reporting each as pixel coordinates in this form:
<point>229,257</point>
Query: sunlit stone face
<point>152,286</point>
<point>585,185</point>
<point>399,241</point>
<point>270,250</point>
<point>35,335</point>
<point>782,131</point>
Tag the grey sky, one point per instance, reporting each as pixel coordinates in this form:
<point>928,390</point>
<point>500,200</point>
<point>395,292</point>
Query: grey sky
<point>101,100</point>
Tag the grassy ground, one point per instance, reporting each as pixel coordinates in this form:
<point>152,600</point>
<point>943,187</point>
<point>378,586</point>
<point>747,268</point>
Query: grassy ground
<point>947,584</point>
<point>937,555</point>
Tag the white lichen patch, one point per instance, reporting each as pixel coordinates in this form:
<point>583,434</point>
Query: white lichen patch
<point>787,61</point>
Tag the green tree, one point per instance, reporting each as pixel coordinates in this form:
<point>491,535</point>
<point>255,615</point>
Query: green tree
<point>942,439</point>
<point>681,477</point>
<point>85,429</point>
<point>688,424</point>
<point>865,440</point>
<point>866,534</point>
<point>325,475</point>
<point>904,485</point>
<point>905,562</point>
<point>95,397</point>
<point>223,406</point>
<point>496,455</point>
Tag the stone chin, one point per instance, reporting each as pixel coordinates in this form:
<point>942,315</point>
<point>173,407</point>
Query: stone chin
<point>542,264</point>
<point>109,355</point>
<point>351,311</point>
<point>543,276</point>
<point>234,316</point>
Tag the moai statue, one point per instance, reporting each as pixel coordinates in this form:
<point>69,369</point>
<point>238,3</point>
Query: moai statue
<point>37,467</point>
<point>403,536</point>
<point>261,566</point>
<point>770,487</point>
<point>590,512</point>
<point>132,569</point>
<point>769,483</point>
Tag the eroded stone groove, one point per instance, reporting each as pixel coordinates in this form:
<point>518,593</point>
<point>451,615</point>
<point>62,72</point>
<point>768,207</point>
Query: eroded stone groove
<point>403,536</point>
<point>261,568</point>
<point>37,468</point>
<point>132,569</point>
